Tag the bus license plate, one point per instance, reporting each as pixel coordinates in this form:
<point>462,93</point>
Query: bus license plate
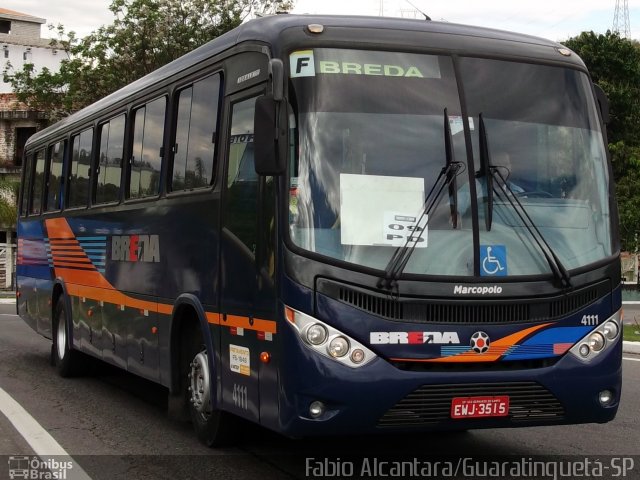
<point>474,407</point>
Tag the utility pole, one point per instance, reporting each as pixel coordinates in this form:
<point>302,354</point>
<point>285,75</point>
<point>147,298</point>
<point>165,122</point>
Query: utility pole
<point>621,19</point>
<point>408,13</point>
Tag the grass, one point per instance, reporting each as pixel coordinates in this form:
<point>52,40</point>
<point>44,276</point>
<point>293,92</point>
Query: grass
<point>631,333</point>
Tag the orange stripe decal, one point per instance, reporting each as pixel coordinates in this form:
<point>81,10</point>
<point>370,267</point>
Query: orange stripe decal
<point>71,262</point>
<point>248,324</point>
<point>91,284</point>
<point>58,228</point>
<point>496,350</point>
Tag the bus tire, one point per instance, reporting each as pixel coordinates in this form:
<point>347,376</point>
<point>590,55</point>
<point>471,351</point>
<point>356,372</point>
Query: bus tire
<point>213,427</point>
<point>65,358</point>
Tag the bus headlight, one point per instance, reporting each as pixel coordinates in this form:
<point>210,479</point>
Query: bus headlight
<point>610,330</point>
<point>328,341</point>
<point>599,340</point>
<point>338,347</point>
<point>316,334</point>
<point>584,350</point>
<point>357,356</point>
<point>596,341</point>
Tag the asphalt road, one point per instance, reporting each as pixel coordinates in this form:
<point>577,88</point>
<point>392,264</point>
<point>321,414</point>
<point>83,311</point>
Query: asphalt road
<point>115,426</point>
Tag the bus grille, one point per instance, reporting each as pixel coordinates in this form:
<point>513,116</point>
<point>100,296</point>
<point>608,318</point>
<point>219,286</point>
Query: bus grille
<point>431,404</point>
<point>492,311</point>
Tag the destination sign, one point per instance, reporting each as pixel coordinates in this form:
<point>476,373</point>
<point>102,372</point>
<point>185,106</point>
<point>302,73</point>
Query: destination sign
<point>332,61</point>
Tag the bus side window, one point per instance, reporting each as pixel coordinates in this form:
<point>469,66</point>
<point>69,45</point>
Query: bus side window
<point>26,186</point>
<point>196,131</point>
<point>148,134</point>
<point>242,179</point>
<point>110,160</point>
<point>80,169</point>
<point>38,184</point>
<point>54,182</point>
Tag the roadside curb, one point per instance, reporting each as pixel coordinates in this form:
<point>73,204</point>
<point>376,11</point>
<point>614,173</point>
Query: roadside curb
<point>7,301</point>
<point>631,347</point>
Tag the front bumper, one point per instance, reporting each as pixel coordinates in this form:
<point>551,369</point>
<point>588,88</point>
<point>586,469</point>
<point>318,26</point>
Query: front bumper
<point>370,399</point>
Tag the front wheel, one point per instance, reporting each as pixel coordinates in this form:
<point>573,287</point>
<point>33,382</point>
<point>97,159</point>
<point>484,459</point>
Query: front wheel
<point>213,427</point>
<point>65,358</point>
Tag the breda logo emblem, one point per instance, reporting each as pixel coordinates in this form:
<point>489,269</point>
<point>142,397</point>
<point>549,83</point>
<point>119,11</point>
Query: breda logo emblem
<point>413,338</point>
<point>480,342</point>
<point>135,248</point>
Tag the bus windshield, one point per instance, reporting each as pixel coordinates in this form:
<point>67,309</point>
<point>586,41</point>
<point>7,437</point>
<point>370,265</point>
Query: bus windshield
<point>370,143</point>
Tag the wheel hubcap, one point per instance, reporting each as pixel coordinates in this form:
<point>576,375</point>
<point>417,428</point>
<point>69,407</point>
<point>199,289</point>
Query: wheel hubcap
<point>61,337</point>
<point>199,384</point>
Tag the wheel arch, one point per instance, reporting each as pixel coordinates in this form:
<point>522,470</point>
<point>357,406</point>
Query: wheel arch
<point>187,309</point>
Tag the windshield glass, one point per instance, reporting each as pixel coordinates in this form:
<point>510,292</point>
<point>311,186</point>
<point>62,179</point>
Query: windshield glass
<point>543,133</point>
<point>369,143</point>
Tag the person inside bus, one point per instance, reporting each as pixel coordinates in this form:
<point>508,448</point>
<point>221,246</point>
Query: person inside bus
<point>501,161</point>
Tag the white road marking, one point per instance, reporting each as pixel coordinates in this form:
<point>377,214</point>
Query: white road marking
<point>43,444</point>
<point>631,359</point>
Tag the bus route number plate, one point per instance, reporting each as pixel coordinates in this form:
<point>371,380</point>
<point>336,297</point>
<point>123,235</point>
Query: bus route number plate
<point>477,407</point>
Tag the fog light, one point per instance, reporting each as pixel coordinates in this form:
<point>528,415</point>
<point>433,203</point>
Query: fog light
<point>584,350</point>
<point>316,409</point>
<point>316,334</point>
<point>338,347</point>
<point>596,341</point>
<point>605,397</point>
<point>357,356</point>
<point>610,330</point>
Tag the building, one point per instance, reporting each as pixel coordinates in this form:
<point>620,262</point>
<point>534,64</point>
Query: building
<point>20,43</point>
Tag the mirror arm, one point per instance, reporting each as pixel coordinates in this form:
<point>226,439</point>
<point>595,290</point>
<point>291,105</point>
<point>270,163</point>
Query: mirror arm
<point>603,103</point>
<point>276,75</point>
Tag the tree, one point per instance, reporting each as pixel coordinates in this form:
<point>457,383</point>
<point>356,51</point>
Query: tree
<point>626,172</point>
<point>145,35</point>
<point>8,202</point>
<point>614,64</point>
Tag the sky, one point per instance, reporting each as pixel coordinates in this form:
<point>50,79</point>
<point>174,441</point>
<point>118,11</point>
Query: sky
<point>553,19</point>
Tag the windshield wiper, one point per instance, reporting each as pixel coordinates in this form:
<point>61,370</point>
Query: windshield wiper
<point>446,178</point>
<point>452,180</point>
<point>559,271</point>
<point>485,171</point>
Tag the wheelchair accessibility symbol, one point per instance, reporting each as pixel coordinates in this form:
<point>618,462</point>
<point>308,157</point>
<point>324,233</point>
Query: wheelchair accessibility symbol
<point>493,260</point>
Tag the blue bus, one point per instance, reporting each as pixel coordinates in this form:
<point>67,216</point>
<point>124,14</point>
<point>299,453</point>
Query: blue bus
<point>337,225</point>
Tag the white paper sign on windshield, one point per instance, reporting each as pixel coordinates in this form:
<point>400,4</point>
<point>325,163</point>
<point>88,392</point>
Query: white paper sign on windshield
<point>369,202</point>
<point>401,227</point>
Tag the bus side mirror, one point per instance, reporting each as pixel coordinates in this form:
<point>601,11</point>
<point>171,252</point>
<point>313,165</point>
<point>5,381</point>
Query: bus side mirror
<point>603,103</point>
<point>270,136</point>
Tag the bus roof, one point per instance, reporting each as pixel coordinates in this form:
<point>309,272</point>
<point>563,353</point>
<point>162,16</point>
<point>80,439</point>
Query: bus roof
<point>375,31</point>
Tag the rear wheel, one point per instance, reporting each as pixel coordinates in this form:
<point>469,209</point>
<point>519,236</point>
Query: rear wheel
<point>65,358</point>
<point>213,427</point>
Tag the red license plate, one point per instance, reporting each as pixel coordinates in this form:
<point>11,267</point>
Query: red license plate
<point>475,407</point>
